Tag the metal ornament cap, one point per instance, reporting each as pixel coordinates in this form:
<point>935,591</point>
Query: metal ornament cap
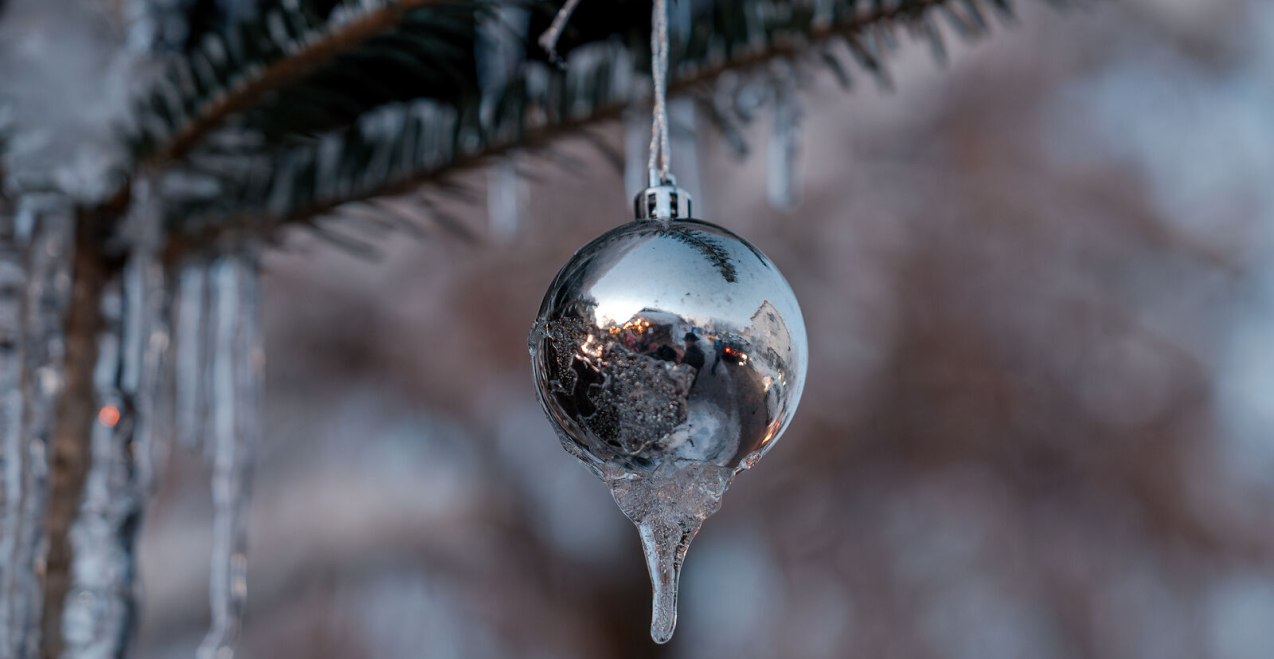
<point>663,201</point>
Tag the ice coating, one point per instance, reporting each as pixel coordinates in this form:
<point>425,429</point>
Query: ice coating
<point>234,430</point>
<point>13,274</point>
<point>43,230</point>
<point>670,356</point>
<point>192,338</point>
<point>668,506</point>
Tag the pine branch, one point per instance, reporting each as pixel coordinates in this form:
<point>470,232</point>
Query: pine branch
<point>199,93</point>
<point>289,174</point>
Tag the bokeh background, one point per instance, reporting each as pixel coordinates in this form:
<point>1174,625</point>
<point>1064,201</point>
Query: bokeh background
<point>1039,423</point>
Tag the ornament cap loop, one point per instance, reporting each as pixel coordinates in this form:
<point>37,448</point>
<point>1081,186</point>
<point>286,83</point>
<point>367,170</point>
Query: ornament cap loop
<point>663,201</point>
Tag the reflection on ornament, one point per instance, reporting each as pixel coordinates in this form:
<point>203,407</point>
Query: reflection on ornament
<point>670,354</point>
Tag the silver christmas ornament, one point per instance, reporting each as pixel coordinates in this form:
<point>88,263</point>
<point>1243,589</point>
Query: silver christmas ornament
<point>670,355</point>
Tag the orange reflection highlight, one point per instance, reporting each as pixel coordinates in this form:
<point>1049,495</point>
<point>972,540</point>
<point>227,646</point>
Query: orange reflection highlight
<point>108,416</point>
<point>638,325</point>
<point>770,432</point>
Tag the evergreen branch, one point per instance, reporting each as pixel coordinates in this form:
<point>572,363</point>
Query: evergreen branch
<point>231,73</point>
<point>402,146</point>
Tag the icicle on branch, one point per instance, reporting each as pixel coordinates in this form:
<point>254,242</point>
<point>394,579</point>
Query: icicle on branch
<point>149,341</point>
<point>237,364</point>
<point>505,199</point>
<point>12,440</point>
<point>191,354</point>
<point>147,313</point>
<point>500,52</point>
<point>414,142</point>
<point>784,146</point>
<point>636,121</point>
<point>99,616</point>
<point>684,126</point>
<point>99,609</point>
<point>36,254</point>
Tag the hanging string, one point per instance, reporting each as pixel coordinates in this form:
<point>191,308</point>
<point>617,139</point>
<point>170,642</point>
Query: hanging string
<point>659,149</point>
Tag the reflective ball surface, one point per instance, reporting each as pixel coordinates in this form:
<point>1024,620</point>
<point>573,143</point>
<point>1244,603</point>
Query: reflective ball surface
<point>668,343</point>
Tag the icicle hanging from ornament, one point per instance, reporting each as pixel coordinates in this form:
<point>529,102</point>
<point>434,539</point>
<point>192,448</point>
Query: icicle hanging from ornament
<point>670,355</point>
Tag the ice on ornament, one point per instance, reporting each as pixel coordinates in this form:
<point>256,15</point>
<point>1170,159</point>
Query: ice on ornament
<point>670,355</point>
<point>668,506</point>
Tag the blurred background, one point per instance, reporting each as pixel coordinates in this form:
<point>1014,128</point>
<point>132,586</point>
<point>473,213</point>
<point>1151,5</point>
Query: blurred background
<point>1039,286</point>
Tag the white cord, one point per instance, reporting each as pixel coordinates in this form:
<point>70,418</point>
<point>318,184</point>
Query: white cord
<point>659,151</point>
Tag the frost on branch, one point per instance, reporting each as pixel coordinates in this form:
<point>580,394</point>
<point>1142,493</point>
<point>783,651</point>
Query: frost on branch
<point>35,247</point>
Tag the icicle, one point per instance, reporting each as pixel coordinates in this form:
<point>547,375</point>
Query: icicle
<point>235,396</point>
<point>99,613</point>
<point>190,380</point>
<point>784,147</point>
<point>49,221</point>
<point>682,116</point>
<point>725,114</point>
<point>12,439</point>
<point>500,50</point>
<point>668,505</point>
<point>153,387</point>
<point>824,14</point>
<point>42,233</point>
<point>156,24</point>
<point>99,607</point>
<point>506,197</point>
<point>146,337</point>
<point>665,541</point>
<point>636,141</point>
